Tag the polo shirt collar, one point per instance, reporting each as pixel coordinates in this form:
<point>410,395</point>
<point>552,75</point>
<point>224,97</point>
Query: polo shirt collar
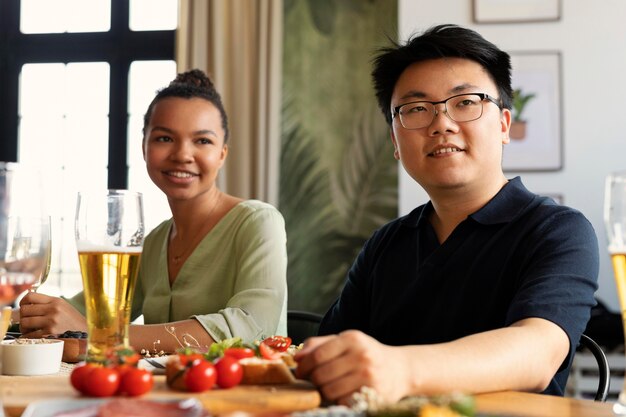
<point>503,207</point>
<point>510,201</point>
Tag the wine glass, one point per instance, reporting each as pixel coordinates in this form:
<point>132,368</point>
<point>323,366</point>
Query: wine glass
<point>48,257</point>
<point>24,236</point>
<point>615,224</point>
<point>109,239</point>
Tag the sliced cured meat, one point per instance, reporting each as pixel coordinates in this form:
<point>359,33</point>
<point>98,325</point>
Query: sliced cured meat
<point>128,407</point>
<point>132,407</point>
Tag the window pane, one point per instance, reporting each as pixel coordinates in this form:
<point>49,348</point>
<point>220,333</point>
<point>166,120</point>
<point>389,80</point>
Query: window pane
<point>58,16</point>
<point>42,88</point>
<point>153,14</point>
<point>64,130</point>
<point>87,88</point>
<point>144,79</point>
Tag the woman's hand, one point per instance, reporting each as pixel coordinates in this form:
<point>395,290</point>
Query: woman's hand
<point>341,364</point>
<point>42,315</point>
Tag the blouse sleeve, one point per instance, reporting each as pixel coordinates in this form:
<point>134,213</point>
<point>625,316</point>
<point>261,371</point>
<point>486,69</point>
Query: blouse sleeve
<point>259,302</point>
<point>78,302</point>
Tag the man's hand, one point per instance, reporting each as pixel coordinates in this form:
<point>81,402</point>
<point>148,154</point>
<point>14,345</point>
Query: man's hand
<point>341,364</point>
<point>42,315</point>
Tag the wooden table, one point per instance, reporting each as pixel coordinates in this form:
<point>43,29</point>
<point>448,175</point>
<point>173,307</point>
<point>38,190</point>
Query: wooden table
<point>523,404</point>
<point>18,392</point>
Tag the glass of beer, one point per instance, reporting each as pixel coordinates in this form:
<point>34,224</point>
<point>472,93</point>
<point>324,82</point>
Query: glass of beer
<point>615,224</point>
<point>109,239</point>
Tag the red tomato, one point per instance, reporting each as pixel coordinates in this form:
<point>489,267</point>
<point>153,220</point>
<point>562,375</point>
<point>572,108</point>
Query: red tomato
<point>122,356</point>
<point>239,352</point>
<point>101,382</point>
<point>201,376</point>
<point>229,372</point>
<point>121,371</point>
<point>79,376</point>
<point>189,357</point>
<point>136,382</point>
<point>279,343</point>
<point>267,352</point>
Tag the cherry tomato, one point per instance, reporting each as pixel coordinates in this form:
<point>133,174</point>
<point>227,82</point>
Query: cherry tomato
<point>121,371</point>
<point>229,372</point>
<point>122,356</point>
<point>186,358</point>
<point>79,376</point>
<point>267,352</point>
<point>136,382</point>
<point>101,382</point>
<point>201,376</point>
<point>279,343</point>
<point>239,352</point>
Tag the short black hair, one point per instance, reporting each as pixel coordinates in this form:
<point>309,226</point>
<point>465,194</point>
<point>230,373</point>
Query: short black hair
<point>190,84</point>
<point>440,42</point>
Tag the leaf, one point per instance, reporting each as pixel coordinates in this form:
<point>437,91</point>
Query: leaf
<point>323,14</point>
<point>365,192</point>
<point>365,187</point>
<point>305,204</point>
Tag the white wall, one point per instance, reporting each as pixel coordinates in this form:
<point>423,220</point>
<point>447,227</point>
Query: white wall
<point>591,37</point>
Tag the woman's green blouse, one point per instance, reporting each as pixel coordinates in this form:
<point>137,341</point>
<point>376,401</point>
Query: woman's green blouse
<point>234,283</point>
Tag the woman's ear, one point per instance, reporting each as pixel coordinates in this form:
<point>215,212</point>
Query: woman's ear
<point>224,154</point>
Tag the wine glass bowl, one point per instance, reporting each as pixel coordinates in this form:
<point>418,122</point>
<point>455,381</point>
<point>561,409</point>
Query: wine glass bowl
<point>615,225</point>
<point>43,276</point>
<point>11,285</point>
<point>24,234</point>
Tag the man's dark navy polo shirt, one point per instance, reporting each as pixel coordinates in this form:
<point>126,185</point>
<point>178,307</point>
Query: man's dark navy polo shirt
<point>519,256</point>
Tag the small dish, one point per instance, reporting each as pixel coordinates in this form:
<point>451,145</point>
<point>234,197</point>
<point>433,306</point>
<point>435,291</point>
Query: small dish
<point>31,356</point>
<point>156,365</point>
<point>74,349</point>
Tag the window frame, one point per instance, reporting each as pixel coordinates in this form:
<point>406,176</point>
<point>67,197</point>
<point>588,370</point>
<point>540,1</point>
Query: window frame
<point>119,47</point>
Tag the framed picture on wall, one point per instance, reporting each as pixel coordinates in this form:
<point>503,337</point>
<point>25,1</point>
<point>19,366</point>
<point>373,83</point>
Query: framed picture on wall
<point>511,11</point>
<point>536,131</point>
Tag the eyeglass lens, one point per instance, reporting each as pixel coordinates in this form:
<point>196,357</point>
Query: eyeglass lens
<point>463,108</point>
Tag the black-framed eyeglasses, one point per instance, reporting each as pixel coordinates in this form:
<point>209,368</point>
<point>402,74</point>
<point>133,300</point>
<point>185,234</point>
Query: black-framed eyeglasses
<point>459,108</point>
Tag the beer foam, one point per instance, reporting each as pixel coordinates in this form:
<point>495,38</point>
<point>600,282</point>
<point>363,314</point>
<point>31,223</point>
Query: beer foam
<point>84,246</point>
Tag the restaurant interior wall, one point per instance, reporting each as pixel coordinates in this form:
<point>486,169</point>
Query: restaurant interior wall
<point>590,38</point>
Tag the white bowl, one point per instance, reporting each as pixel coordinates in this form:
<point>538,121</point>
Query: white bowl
<point>31,356</point>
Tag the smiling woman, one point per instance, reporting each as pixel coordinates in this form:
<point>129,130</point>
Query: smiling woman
<point>217,268</point>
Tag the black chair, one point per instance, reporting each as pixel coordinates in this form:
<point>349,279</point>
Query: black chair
<point>603,366</point>
<point>302,324</point>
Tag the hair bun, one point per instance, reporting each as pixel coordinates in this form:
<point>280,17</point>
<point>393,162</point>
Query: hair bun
<point>194,77</point>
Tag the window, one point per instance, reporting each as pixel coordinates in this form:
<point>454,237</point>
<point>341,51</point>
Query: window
<point>76,77</point>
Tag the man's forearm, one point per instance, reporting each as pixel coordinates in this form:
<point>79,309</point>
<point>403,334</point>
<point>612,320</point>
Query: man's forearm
<point>524,357</point>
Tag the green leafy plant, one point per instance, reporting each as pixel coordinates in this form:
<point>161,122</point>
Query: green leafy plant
<point>520,100</point>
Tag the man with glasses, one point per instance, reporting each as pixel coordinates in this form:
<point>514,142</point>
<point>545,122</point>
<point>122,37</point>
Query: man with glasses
<point>487,286</point>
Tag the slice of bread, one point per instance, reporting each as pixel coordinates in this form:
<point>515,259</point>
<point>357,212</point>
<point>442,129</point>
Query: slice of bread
<point>257,371</point>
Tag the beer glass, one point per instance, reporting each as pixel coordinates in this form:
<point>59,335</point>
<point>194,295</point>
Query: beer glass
<point>109,239</point>
<point>24,235</point>
<point>615,224</point>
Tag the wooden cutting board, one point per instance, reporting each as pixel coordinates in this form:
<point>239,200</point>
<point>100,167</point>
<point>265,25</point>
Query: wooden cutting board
<point>19,391</point>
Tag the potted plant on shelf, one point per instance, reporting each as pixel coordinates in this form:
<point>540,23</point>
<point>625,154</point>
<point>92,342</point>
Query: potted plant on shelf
<point>518,125</point>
